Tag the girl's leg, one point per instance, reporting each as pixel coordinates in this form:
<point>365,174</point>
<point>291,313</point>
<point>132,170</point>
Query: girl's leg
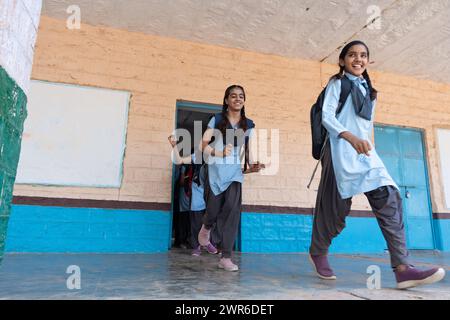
<point>184,229</point>
<point>228,220</point>
<point>196,224</point>
<point>213,207</point>
<point>386,204</point>
<point>213,204</point>
<point>216,237</point>
<point>330,211</point>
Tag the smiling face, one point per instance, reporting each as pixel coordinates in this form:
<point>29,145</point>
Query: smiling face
<point>355,60</point>
<point>235,99</point>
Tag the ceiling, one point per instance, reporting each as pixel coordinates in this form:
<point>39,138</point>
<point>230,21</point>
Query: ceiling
<point>410,37</point>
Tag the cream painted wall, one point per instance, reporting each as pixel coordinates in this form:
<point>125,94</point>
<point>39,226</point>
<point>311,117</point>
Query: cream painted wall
<point>158,71</point>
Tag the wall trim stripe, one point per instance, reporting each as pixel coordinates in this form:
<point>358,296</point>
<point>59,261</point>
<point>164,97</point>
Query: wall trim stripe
<point>90,203</point>
<point>114,204</point>
<point>441,215</point>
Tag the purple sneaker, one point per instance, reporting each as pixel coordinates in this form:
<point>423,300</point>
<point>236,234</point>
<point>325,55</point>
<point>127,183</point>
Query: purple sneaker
<point>413,277</point>
<point>322,268</point>
<point>211,249</point>
<point>197,251</point>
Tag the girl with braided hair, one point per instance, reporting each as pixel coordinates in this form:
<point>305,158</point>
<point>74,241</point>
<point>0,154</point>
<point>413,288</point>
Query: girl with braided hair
<point>232,133</point>
<point>351,166</point>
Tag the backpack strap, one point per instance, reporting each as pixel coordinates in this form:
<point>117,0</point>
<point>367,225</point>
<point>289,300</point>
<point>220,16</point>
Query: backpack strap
<point>217,119</point>
<point>250,125</point>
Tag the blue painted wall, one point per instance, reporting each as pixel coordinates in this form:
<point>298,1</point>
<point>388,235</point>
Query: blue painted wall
<point>266,233</point>
<point>261,232</point>
<point>62,229</point>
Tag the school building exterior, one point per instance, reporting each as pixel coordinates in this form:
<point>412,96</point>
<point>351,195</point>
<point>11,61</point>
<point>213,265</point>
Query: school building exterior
<point>160,74</point>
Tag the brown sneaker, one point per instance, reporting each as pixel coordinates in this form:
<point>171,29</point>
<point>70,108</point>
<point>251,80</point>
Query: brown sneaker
<point>322,267</point>
<point>412,277</point>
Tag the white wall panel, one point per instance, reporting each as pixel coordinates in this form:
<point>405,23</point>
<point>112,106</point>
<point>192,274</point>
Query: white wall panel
<point>73,136</point>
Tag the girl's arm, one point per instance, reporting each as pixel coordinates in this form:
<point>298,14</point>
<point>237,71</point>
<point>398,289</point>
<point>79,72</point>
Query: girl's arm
<point>207,149</point>
<point>176,152</point>
<point>329,108</point>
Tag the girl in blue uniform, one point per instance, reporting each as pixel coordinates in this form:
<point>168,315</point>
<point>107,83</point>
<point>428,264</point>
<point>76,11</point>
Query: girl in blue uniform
<point>351,166</point>
<point>223,187</point>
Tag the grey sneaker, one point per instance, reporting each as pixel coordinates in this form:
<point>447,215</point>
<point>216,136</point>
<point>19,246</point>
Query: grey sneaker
<point>227,264</point>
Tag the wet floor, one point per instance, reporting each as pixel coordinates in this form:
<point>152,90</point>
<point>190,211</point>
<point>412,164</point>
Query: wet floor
<point>178,275</point>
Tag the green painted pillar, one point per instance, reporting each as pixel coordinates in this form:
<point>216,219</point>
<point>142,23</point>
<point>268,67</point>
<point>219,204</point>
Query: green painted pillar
<point>12,116</point>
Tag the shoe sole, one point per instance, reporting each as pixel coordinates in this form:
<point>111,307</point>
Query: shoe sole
<point>435,277</point>
<point>317,273</point>
<point>211,252</point>
<point>231,270</point>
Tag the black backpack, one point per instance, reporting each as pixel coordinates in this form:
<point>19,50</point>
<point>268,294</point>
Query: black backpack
<point>318,131</point>
<point>250,125</point>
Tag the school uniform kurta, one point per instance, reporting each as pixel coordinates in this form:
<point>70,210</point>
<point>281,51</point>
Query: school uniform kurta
<point>355,173</point>
<point>223,171</point>
<point>224,193</point>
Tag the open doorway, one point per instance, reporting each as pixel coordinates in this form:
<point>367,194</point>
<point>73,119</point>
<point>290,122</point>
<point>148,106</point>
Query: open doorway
<point>187,113</point>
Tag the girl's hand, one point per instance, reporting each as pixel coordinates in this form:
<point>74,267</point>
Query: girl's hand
<point>361,146</point>
<point>255,167</point>
<point>227,150</point>
<point>172,140</point>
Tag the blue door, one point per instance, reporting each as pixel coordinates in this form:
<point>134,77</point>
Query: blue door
<point>402,152</point>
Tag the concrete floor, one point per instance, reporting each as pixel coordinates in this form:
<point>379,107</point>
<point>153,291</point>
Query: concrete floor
<point>178,275</point>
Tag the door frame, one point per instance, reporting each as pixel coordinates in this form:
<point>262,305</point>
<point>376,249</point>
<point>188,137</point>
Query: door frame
<point>196,107</point>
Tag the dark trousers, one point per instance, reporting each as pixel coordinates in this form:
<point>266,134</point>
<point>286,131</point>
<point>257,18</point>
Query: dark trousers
<point>224,211</point>
<point>196,218</point>
<point>182,228</point>
<point>331,211</point>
